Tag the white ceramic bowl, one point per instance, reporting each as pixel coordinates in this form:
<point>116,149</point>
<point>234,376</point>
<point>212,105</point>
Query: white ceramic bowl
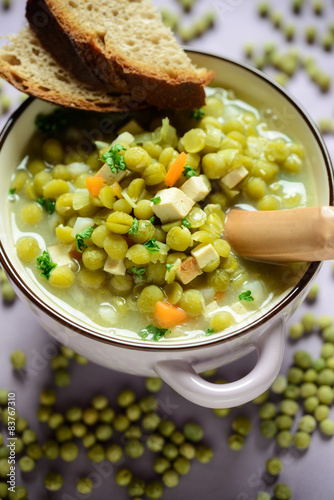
<point>178,362</point>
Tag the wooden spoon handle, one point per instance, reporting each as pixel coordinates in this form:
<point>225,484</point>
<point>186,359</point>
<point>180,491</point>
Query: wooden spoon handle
<point>300,234</point>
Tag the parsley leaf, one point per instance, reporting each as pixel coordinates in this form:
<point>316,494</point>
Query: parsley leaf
<point>197,114</point>
<point>209,331</point>
<point>48,204</point>
<point>152,220</point>
<point>134,228</point>
<point>169,267</point>
<point>84,235</point>
<point>45,264</point>
<point>157,333</point>
<point>114,159</point>
<point>12,191</point>
<point>152,246</point>
<point>156,200</point>
<point>139,271</point>
<point>188,171</point>
<point>246,296</point>
<point>53,122</point>
<point>185,222</point>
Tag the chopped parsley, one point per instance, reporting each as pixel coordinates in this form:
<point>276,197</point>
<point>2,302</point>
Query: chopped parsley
<point>45,264</point>
<point>157,333</point>
<point>114,159</point>
<point>169,267</point>
<point>139,271</point>
<point>84,235</point>
<point>156,200</point>
<point>152,246</point>
<point>246,296</point>
<point>185,222</point>
<point>12,191</point>
<point>134,228</point>
<point>197,114</point>
<point>152,220</point>
<point>53,122</point>
<point>209,331</point>
<point>48,204</point>
<point>188,171</point>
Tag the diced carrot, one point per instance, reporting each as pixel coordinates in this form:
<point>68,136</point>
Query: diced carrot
<point>167,315</point>
<point>218,296</point>
<point>94,185</point>
<point>176,169</point>
<point>117,190</point>
<point>74,252</point>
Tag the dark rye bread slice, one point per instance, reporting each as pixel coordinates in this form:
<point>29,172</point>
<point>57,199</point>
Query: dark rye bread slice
<point>123,44</point>
<point>30,68</point>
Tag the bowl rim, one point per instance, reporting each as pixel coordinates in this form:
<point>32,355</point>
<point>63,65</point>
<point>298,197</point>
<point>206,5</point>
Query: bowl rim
<point>203,343</point>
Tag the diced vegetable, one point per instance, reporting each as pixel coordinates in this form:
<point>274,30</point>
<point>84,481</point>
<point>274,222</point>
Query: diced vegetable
<point>168,316</point>
<point>94,184</point>
<point>175,170</point>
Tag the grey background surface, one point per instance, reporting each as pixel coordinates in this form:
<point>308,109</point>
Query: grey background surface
<point>230,475</point>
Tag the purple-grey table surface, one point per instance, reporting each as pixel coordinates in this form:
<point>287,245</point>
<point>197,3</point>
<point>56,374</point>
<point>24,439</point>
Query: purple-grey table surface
<point>231,475</point>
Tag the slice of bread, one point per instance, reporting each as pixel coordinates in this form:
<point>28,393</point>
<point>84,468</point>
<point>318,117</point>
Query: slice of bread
<point>30,68</point>
<point>122,43</point>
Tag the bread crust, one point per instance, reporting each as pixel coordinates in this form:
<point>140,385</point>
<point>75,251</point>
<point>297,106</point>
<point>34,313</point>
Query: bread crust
<point>114,71</point>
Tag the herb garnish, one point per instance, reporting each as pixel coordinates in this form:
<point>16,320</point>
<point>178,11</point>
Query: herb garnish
<point>197,114</point>
<point>152,220</point>
<point>169,267</point>
<point>157,333</point>
<point>209,331</point>
<point>139,271</point>
<point>84,235</point>
<point>188,171</point>
<point>246,296</point>
<point>53,122</point>
<point>114,159</point>
<point>12,191</point>
<point>134,228</point>
<point>48,204</point>
<point>156,200</point>
<point>185,222</point>
<point>45,264</point>
<point>152,246</point>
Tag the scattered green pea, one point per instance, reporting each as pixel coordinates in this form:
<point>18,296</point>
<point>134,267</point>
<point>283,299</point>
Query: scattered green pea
<point>325,395</point>
<point>187,450</point>
<point>284,439</point>
<point>308,389</point>
<point>325,377</point>
<point>325,321</point>
<point>282,491</point>
<point>204,454</point>
<point>84,485</point>
<point>55,420</point>
<point>90,416</point>
<point>261,399</point>
<point>3,397</point>
<point>100,402</point>
<point>263,495</point>
<point>134,448</point>
<point>284,422</point>
<point>263,9</point>
<point>310,375</point>
<point>303,359</point>
<point>153,384</point>
<point>47,397</point>
<point>328,334</point>
<point>59,362</point>
<point>321,412</point>
<point>307,423</point>
<point>53,481</point>
<point>18,360</point>
<point>170,478</point>
<point>309,322</point>
<point>29,436</point>
<point>121,423</point>
<point>63,433</point>
<point>96,453</point>
<point>327,427</point>
<point>268,428</point>
<point>319,364</point>
<point>34,451</point>
<point>136,487</point>
<point>327,350</point>
<point>80,359</point>
<point>249,50</point>
<point>154,489</point>
<point>123,477</point>
<point>69,451</point>
<point>20,493</point>
<point>310,404</point>
<point>89,440</point>
<point>302,440</point>
<point>242,425</point>
<point>161,465</point>
<point>103,432</point>
<point>276,18</point>
<point>268,411</point>
<point>318,7</point>
<point>155,442</point>
<point>26,464</point>
<point>114,453</point>
<point>62,378</point>
<point>236,442</point>
<point>166,428</point>
<point>279,385</point>
<point>170,451</point>
<point>177,438</point>
<point>150,421</point>
<point>107,415</point>
<point>51,450</point>
<point>274,466</point>
<point>148,404</point>
<point>21,424</point>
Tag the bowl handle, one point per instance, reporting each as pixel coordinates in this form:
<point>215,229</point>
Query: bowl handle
<point>181,376</point>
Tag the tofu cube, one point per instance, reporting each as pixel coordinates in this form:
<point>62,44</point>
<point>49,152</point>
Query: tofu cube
<point>239,308</point>
<point>235,176</point>
<point>174,205</point>
<point>113,266</point>
<point>204,255</point>
<point>188,270</point>
<point>108,176</point>
<point>59,254</point>
<point>197,187</point>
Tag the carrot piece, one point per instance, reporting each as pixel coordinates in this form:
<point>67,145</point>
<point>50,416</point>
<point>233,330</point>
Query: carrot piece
<point>94,185</point>
<point>74,252</point>
<point>176,169</point>
<point>218,296</point>
<point>167,315</point>
<point>117,190</point>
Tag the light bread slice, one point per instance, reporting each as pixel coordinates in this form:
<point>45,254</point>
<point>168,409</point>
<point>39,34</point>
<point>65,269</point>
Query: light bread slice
<point>30,68</point>
<point>123,43</point>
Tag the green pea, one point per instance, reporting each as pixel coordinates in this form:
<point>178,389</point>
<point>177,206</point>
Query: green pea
<point>264,9</point>
<point>187,450</point>
<point>284,422</point>
<point>100,402</point>
<point>268,428</point>
<point>321,412</point>
<point>107,415</point>
<point>55,420</point>
<point>34,451</point>
<point>309,322</point>
<point>155,442</point>
<point>62,378</point>
<point>69,451</point>
<point>103,432</point>
<point>133,412</point>
<point>26,464</point>
<point>67,352</point>
<point>263,495</point>
<point>193,432</point>
<point>289,407</point>
<point>153,384</point>
<point>80,359</point>
<point>249,50</point>
<point>274,466</point>
<point>325,377</point>
<point>222,412</point>
<point>204,454</point>
<point>328,334</point>
<point>308,389</point>
<point>136,487</point>
<point>302,440</point>
<point>96,453</point>
<point>327,350</point>
<point>3,397</point>
<point>170,478</point>
<point>327,427</point>
<point>148,404</point>
<point>53,481</point>
<point>3,490</point>
<point>123,477</point>
<point>330,363</point>
<point>63,433</point>
<point>43,413</point>
<point>310,375</point>
<point>4,467</point>
<point>319,364</point>
<point>261,399</point>
<point>284,439</point>
<point>236,442</point>
<point>170,451</point>
<point>307,424</point>
<point>289,32</point>
<point>20,493</point>
<point>177,438</point>
<point>310,404</point>
<point>7,292</point>
<point>325,395</point>
<point>134,448</point>
<point>84,485</point>
<point>150,421</point>
<point>89,440</point>
<point>133,432</point>
<point>126,398</point>
<point>242,425</point>
<point>310,35</point>
<point>59,362</point>
<point>295,375</point>
<point>121,423</point>
<point>297,6</point>
<point>51,450</point>
<point>267,411</point>
<point>282,491</point>
<point>29,436</point>
<point>161,464</point>
<point>47,397</point>
<point>166,428</point>
<point>325,321</point>
<point>18,360</point>
<point>302,359</point>
<point>114,453</point>
<point>90,416</point>
<point>279,385</point>
<point>292,392</point>
<point>4,452</point>
<point>154,490</point>
<point>74,414</point>
<point>21,424</point>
